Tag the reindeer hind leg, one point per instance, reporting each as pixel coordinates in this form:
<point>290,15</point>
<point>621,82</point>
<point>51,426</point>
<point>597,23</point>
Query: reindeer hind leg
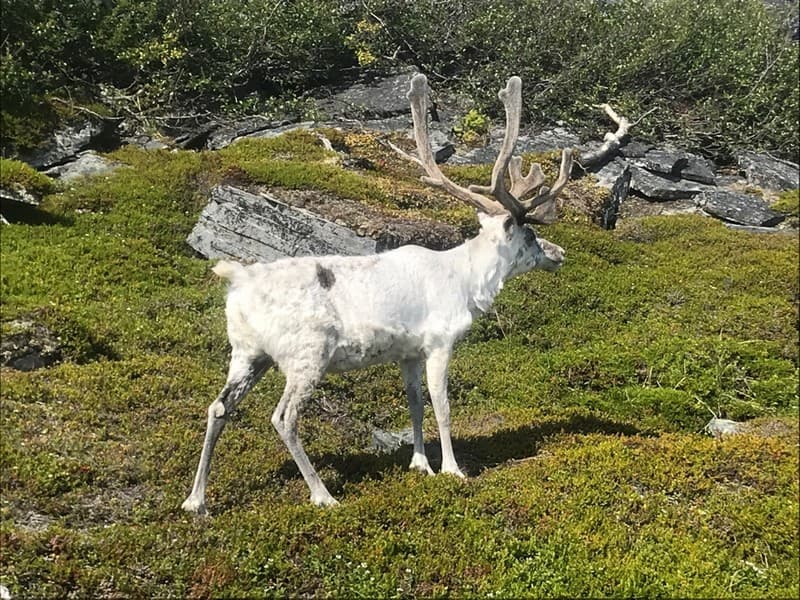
<point>243,373</point>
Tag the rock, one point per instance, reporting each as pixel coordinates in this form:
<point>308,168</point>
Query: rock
<point>224,135</point>
<point>656,187</point>
<point>611,207</point>
<point>609,173</point>
<point>87,163</point>
<point>699,169</point>
<point>441,145</point>
<point>677,164</point>
<point>238,224</point>
<point>66,143</point>
<point>195,139</point>
<point>26,346</point>
<point>386,442</point>
<point>18,194</point>
<point>722,427</point>
<point>551,139</point>
<point>280,130</point>
<point>742,209</point>
<point>544,141</point>
<point>768,172</point>
<point>635,149</point>
<point>145,142</point>
<point>649,185</point>
<point>378,99</point>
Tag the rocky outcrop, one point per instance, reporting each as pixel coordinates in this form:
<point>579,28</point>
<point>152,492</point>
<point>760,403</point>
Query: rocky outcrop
<point>85,164</point>
<point>270,225</point>
<point>741,209</point>
<point>65,145</point>
<point>27,345</point>
<point>250,227</point>
<point>767,172</point>
<point>377,99</point>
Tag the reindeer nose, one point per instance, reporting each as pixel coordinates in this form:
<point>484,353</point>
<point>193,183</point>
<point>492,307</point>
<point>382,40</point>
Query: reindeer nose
<point>554,253</point>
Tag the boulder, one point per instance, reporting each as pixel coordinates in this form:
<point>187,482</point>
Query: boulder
<point>767,172</point>
<point>64,145</point>
<point>742,209</point>
<point>386,442</point>
<point>677,164</point>
<point>635,149</point>
<point>18,194</point>
<point>27,345</point>
<point>378,99</point>
<point>239,224</point>
<point>224,135</point>
<point>611,207</point>
<point>87,163</point>
<point>544,141</point>
<point>646,183</point>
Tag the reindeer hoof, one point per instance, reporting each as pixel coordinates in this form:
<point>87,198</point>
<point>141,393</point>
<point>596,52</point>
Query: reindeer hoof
<point>454,471</point>
<point>323,500</point>
<point>195,506</point>
<point>419,462</point>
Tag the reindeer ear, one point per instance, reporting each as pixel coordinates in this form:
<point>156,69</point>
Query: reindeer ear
<point>508,224</point>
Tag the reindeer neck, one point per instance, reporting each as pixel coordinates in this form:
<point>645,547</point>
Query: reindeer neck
<point>486,270</point>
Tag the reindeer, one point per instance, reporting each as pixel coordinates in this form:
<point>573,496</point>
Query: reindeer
<point>314,315</point>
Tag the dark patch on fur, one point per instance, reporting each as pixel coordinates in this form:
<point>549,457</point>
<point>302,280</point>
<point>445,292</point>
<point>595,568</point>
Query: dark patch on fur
<point>325,276</point>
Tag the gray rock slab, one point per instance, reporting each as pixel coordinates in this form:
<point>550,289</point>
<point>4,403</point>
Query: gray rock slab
<point>224,135</point>
<point>18,194</point>
<point>66,143</point>
<point>768,172</point>
<point>611,208</point>
<point>385,97</point>
<point>657,187</point>
<point>544,141</point>
<point>677,164</point>
<point>635,149</point>
<point>387,442</point>
<point>742,209</point>
<point>87,163</point>
<point>648,184</point>
<point>250,227</point>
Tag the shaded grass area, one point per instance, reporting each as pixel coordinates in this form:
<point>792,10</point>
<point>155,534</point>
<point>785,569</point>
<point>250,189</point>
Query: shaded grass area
<point>577,409</point>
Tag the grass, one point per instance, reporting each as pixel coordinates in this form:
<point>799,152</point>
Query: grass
<point>577,405</point>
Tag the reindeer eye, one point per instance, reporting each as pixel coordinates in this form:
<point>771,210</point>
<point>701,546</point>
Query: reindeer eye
<point>530,236</point>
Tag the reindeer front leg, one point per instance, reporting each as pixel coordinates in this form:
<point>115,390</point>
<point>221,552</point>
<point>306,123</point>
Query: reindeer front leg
<point>436,368</point>
<point>412,379</point>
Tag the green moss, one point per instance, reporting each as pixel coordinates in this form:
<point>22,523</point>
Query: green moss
<point>788,202</point>
<point>17,174</point>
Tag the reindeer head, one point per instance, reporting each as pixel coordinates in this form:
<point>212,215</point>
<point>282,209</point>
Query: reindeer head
<point>508,210</point>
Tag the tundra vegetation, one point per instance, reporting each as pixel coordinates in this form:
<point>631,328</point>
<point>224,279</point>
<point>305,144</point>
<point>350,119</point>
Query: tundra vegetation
<point>578,403</point>
<point>577,409</point>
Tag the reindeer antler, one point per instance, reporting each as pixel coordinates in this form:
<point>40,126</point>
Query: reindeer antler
<point>539,209</point>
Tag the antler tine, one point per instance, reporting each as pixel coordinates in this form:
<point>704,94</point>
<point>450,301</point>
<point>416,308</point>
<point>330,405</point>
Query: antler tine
<point>541,208</point>
<point>511,96</point>
<point>418,98</point>
<point>522,185</point>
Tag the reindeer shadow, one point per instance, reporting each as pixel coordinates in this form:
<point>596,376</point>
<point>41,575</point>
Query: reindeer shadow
<point>474,455</point>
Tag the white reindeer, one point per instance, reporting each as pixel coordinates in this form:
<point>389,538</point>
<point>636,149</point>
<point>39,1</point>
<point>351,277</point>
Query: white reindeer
<point>314,315</point>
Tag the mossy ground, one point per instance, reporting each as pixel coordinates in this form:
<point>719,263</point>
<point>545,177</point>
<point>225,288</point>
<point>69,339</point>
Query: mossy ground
<point>577,409</point>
